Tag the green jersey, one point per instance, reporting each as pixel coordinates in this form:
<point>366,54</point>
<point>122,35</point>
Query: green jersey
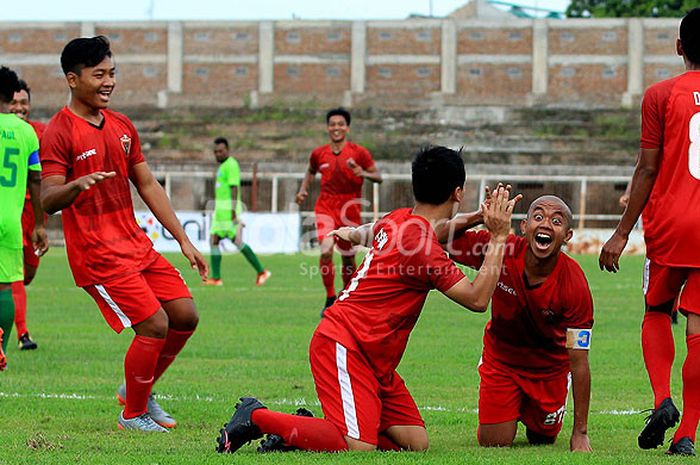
<point>228,175</point>
<point>19,153</point>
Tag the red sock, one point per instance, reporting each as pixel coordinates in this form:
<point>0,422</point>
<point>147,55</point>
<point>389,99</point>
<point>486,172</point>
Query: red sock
<point>659,351</point>
<point>174,342</point>
<point>386,443</point>
<point>139,365</point>
<point>314,434</point>
<point>348,271</point>
<point>328,276</point>
<point>19,294</point>
<point>691,390</point>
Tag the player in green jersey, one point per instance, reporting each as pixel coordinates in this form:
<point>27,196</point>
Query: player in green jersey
<point>226,221</point>
<point>19,170</point>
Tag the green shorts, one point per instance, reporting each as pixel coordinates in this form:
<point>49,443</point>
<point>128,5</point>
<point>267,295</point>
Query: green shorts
<point>11,265</point>
<point>223,229</point>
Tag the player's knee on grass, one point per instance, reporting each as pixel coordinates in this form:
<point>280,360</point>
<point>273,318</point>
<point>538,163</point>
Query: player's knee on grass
<point>413,438</point>
<point>154,326</point>
<point>182,314</point>
<point>354,444</point>
<point>499,435</point>
<point>538,439</point>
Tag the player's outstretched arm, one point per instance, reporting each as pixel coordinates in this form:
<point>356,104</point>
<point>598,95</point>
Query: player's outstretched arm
<point>39,240</point>
<point>640,188</point>
<point>361,235</point>
<point>57,194</point>
<point>453,228</point>
<point>581,383</point>
<point>475,295</point>
<point>155,198</point>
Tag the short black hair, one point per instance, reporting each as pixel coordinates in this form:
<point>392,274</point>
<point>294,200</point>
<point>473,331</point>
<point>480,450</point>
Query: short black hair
<point>84,52</point>
<point>221,140</point>
<point>9,84</point>
<point>690,35</point>
<point>23,86</point>
<point>340,111</point>
<point>436,172</point>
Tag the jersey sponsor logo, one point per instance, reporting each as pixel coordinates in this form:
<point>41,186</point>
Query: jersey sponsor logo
<point>506,288</point>
<point>125,140</point>
<point>324,166</point>
<point>86,154</point>
<point>578,339</point>
<point>696,96</point>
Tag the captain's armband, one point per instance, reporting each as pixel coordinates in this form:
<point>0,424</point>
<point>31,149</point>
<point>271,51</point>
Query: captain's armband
<point>578,339</point>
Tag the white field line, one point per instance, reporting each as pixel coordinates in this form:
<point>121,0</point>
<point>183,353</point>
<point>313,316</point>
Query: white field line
<point>300,402</point>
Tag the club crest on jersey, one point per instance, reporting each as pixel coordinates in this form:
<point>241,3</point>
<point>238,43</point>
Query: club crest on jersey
<point>125,140</point>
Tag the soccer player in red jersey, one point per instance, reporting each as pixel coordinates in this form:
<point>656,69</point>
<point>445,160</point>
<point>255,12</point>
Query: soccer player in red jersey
<point>90,154</point>
<point>538,338</point>
<point>666,191</point>
<point>343,166</point>
<point>21,106</point>
<point>361,338</point>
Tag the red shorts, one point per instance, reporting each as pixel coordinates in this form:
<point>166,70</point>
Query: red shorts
<point>30,258</point>
<point>131,299</point>
<point>352,398</point>
<point>333,212</point>
<point>663,284</point>
<point>506,394</point>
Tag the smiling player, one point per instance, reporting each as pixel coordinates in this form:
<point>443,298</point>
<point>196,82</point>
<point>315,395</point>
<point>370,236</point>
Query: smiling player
<point>90,154</point>
<point>343,166</point>
<point>539,332</point>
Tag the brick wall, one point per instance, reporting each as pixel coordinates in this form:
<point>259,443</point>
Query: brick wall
<point>413,63</point>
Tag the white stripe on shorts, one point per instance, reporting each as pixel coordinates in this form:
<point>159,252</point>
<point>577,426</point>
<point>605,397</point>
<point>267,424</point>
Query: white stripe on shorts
<point>349,412</point>
<point>126,322</point>
<point>645,276</point>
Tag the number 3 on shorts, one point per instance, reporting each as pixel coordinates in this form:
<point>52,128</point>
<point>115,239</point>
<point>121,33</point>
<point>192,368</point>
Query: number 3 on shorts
<point>694,150</point>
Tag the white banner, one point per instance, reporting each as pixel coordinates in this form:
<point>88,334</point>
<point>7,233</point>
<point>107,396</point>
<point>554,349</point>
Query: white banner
<point>265,233</point>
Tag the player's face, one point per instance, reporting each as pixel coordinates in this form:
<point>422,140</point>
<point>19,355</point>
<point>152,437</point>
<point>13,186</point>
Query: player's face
<point>93,87</point>
<point>337,128</point>
<point>220,152</point>
<point>20,104</point>
<point>546,229</point>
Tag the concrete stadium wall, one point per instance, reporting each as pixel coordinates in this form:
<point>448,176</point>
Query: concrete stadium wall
<point>413,63</point>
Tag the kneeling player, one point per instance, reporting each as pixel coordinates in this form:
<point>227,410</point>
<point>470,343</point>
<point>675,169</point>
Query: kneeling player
<point>360,340</point>
<point>538,337</point>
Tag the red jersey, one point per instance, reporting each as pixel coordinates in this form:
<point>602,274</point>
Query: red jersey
<point>336,177</point>
<point>376,312</point>
<point>103,240</point>
<point>528,324</point>
<point>671,123</point>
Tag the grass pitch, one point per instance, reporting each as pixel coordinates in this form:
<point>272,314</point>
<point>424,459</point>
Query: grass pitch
<point>57,403</point>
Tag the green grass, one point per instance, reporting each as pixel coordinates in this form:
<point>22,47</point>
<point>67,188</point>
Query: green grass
<point>57,404</point>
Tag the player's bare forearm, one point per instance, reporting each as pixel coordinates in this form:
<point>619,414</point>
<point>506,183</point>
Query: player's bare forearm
<point>34,187</point>
<point>234,202</point>
<point>640,187</point>
<point>56,194</point>
<point>453,228</point>
<point>581,383</point>
<point>360,235</point>
<point>304,188</point>
<point>157,201</point>
<point>373,175</point>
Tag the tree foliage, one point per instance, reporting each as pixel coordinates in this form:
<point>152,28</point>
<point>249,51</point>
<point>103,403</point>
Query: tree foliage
<point>629,8</point>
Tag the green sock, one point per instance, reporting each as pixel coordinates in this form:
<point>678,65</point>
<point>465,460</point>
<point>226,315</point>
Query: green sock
<point>7,315</point>
<point>252,258</point>
<point>215,262</point>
